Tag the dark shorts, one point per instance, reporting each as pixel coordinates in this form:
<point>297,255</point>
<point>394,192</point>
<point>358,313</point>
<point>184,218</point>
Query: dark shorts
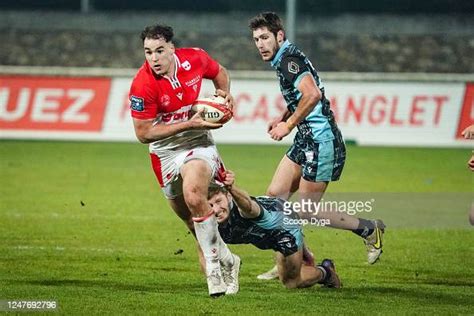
<point>287,237</point>
<point>320,162</point>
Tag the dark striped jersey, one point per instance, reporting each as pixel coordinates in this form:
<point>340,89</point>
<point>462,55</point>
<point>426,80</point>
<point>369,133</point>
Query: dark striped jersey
<point>291,66</point>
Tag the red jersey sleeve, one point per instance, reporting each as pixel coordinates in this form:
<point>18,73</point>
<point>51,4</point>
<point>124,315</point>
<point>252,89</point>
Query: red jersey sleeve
<point>142,103</point>
<point>211,68</point>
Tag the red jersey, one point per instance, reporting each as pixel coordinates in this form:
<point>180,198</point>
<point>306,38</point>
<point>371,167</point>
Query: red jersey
<point>168,100</point>
<point>154,96</point>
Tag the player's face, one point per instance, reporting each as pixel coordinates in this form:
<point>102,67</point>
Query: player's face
<point>267,43</point>
<point>159,55</point>
<point>220,206</point>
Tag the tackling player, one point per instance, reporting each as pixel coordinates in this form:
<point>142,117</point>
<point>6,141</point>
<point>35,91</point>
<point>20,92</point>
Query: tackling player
<point>261,221</point>
<point>183,155</point>
<point>318,153</point>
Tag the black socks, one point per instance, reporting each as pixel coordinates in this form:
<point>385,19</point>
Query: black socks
<point>365,228</point>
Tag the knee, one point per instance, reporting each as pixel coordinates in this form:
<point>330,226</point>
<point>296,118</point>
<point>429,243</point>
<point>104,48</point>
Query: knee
<point>279,192</point>
<point>275,192</point>
<point>290,283</point>
<point>195,199</point>
<point>290,277</point>
<point>270,192</point>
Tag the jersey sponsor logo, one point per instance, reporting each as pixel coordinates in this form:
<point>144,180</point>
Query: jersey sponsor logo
<point>165,100</point>
<point>180,115</point>
<point>193,81</point>
<point>293,67</point>
<point>137,104</point>
<point>186,65</point>
<point>169,118</point>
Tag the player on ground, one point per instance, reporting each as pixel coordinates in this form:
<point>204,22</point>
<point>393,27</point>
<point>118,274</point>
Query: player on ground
<point>318,153</point>
<point>261,221</point>
<point>183,155</point>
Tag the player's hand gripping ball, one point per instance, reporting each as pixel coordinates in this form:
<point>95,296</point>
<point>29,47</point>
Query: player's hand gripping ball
<point>215,110</point>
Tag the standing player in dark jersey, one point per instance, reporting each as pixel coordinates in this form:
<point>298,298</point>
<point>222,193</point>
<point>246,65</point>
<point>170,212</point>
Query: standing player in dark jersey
<point>262,221</point>
<point>182,151</point>
<point>318,152</point>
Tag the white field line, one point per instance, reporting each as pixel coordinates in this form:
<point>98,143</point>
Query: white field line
<point>82,216</point>
<point>61,249</point>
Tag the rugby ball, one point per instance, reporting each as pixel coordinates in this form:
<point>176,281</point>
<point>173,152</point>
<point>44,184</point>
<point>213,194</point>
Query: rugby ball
<point>215,110</point>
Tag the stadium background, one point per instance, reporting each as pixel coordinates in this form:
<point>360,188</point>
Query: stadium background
<point>84,223</point>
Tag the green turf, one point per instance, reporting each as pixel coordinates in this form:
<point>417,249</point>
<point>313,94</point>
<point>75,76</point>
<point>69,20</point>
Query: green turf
<point>85,224</point>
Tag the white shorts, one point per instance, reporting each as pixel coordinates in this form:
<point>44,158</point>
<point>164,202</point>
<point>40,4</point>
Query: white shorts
<point>168,169</point>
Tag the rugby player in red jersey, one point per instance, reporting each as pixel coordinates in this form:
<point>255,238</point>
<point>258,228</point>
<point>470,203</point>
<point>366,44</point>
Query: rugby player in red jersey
<point>183,155</point>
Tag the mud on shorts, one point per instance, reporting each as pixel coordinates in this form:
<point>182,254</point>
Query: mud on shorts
<point>320,161</point>
<point>167,169</point>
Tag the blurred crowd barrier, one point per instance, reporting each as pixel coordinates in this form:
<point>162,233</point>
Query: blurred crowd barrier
<point>437,44</point>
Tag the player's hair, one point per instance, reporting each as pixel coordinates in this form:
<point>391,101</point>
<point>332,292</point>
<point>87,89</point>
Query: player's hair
<point>215,189</point>
<point>157,31</point>
<point>267,19</point>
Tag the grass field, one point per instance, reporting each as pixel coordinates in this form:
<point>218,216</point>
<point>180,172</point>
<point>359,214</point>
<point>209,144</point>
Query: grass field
<point>86,225</point>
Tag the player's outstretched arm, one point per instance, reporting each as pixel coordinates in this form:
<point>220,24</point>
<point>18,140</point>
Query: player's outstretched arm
<point>147,132</point>
<point>248,208</point>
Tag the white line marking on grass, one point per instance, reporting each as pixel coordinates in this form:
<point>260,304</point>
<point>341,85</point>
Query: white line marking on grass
<point>59,248</point>
<point>83,216</point>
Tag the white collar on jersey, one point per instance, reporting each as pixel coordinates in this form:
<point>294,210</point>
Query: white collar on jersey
<point>174,79</point>
<point>177,63</point>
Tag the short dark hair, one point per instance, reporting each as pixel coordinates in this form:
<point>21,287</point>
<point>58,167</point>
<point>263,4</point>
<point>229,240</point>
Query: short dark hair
<point>215,189</point>
<point>267,19</point>
<point>157,31</point>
